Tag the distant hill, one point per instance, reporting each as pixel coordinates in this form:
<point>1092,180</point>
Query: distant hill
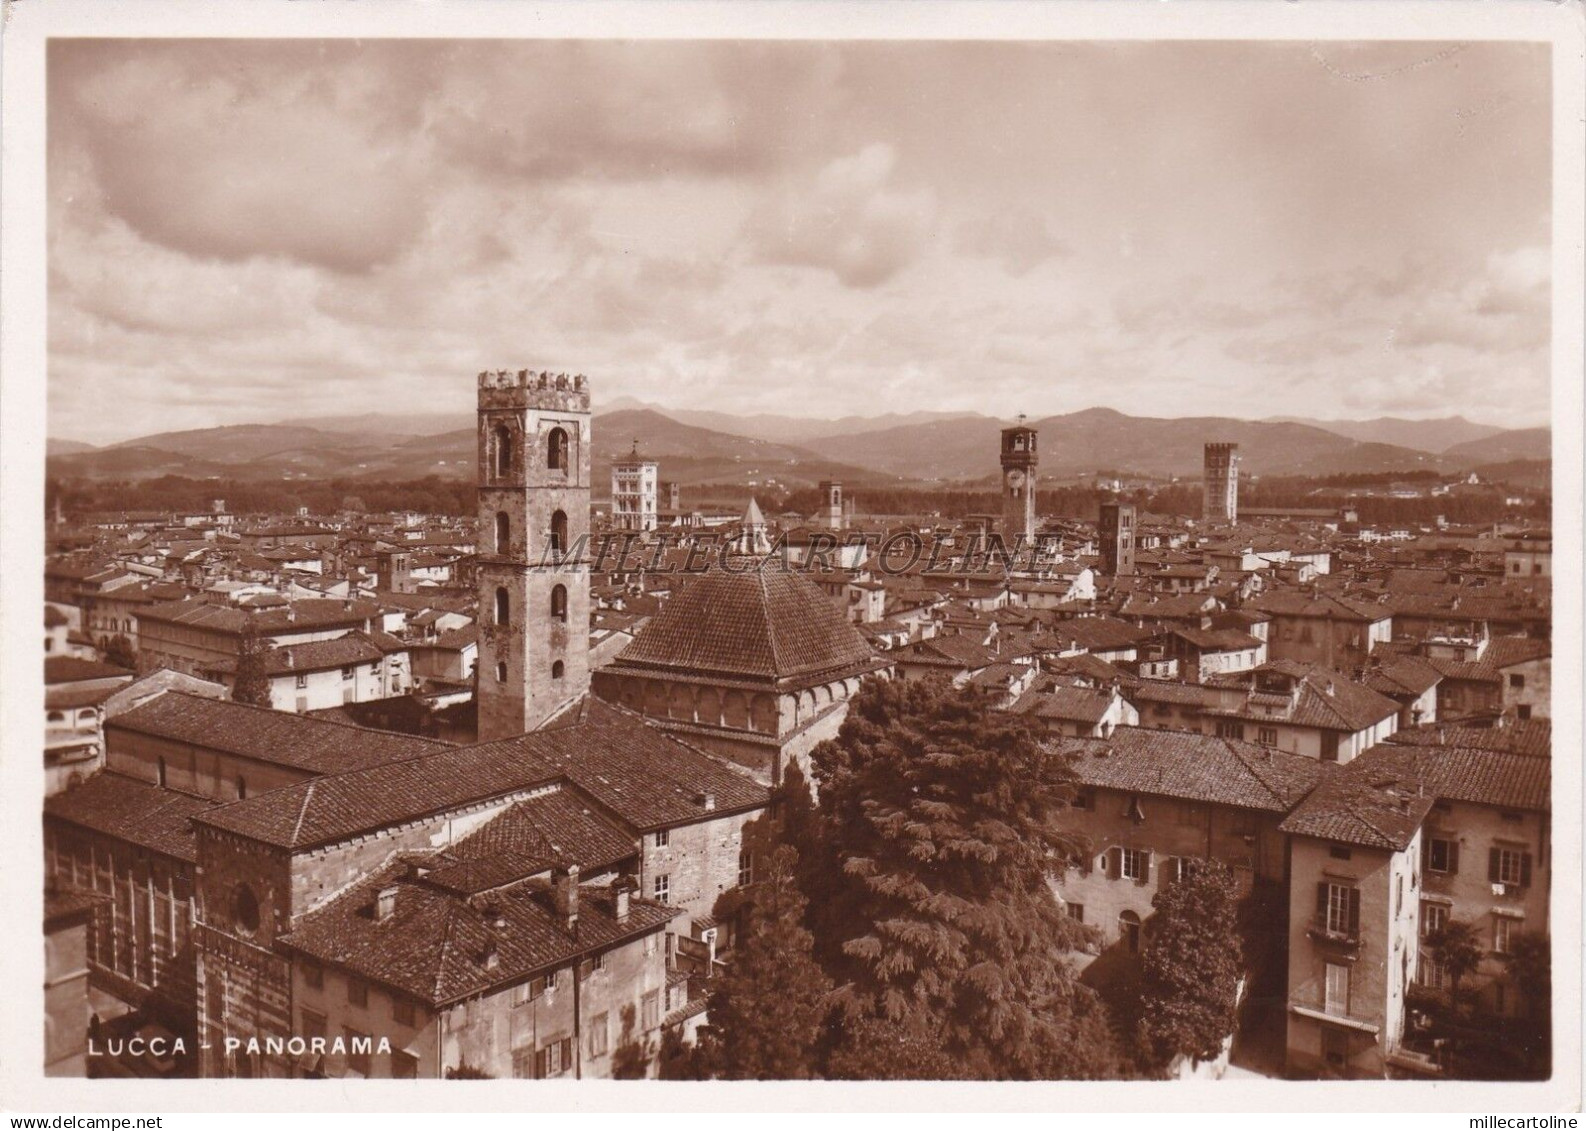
<point>65,447</point>
<point>1423,435</point>
<point>1520,444</point>
<point>387,423</point>
<point>786,429</point>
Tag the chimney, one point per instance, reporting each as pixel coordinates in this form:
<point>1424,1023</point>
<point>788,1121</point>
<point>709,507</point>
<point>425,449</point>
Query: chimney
<point>708,800</point>
<point>622,889</point>
<point>564,892</point>
<point>385,903</point>
<point>286,656</point>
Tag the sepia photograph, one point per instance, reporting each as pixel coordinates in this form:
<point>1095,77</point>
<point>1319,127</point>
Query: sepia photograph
<point>704,557</point>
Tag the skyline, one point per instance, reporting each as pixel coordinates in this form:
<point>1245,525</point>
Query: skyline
<point>306,228</point>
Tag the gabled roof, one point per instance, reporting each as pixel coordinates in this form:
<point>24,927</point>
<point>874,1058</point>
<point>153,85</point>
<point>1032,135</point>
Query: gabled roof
<point>1194,767</point>
<point>441,947</point>
<point>133,811</point>
<point>1065,704</point>
<point>71,669</point>
<point>766,624</point>
<point>1516,736</point>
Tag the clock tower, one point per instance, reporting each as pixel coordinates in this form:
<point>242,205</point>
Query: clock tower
<point>1018,484</point>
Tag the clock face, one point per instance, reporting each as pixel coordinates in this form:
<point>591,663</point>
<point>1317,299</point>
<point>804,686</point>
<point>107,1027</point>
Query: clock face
<point>1015,478</point>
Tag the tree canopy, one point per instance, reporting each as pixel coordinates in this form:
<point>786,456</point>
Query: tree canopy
<point>1191,965</point>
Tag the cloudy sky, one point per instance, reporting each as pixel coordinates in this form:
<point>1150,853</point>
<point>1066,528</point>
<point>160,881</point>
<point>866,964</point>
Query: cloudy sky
<point>248,231</point>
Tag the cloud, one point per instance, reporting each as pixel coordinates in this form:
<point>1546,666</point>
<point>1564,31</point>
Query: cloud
<point>850,219</point>
<point>1020,241</point>
<point>1505,308</point>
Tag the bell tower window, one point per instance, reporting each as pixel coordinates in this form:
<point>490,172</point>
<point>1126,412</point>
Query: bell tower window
<point>503,462</point>
<point>503,531</point>
<point>559,532</point>
<point>503,605</point>
<point>556,450</point>
<point>559,603</point>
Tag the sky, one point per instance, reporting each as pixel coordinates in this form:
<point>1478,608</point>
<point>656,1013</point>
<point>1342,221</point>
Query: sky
<point>247,231</point>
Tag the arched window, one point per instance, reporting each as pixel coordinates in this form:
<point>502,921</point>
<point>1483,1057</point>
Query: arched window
<point>242,788</point>
<point>557,669</point>
<point>559,533</point>
<point>559,603</point>
<point>503,465</point>
<point>57,717</point>
<point>556,450</point>
<point>161,772</point>
<point>501,672</point>
<point>1129,931</point>
<point>503,531</point>
<point>503,605</point>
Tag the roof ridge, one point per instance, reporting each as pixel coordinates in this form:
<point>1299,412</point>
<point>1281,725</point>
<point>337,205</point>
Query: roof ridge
<point>302,812</point>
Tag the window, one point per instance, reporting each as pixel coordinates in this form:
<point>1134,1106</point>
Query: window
<point>1442,855</point>
<point>662,888</point>
<point>1267,736</point>
<point>503,531</point>
<point>160,771</point>
<point>556,449</point>
<point>357,1051</point>
<point>558,669</point>
<point>1509,866</point>
<point>745,868</point>
<point>1503,933</point>
<point>559,603</point>
<point>1230,728</point>
<point>1076,912</point>
<point>346,673</point>
<point>1134,864</point>
<point>57,717</point>
<point>501,672</point>
<point>313,975</point>
<point>599,1034</point>
<point>1129,931</point>
<point>662,838</point>
<point>1336,1001</point>
<point>652,1010</point>
<point>1523,711</point>
<point>1082,800</point>
<point>1335,1046</point>
<point>1430,974</point>
<point>554,1059</point>
<point>1339,852</point>
<point>503,463</point>
<point>358,992</point>
<point>302,680</point>
<point>1516,680</point>
<point>313,1023</point>
<point>559,532</point>
<point>525,992</point>
<point>1398,895</point>
<point>503,605</point>
<point>1433,918</point>
<point>244,910</point>
<point>1329,746</point>
<point>1338,909</point>
<point>242,788</point>
<point>402,1011</point>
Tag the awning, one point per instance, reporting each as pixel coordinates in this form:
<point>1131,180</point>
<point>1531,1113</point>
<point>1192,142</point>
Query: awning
<point>1335,1019</point>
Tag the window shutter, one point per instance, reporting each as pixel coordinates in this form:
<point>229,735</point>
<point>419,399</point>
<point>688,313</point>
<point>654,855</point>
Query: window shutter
<point>1525,870</point>
<point>1354,912</point>
<point>1453,857</point>
<point>1494,869</point>
<point>1117,863</point>
<point>1145,868</point>
<point>1321,902</point>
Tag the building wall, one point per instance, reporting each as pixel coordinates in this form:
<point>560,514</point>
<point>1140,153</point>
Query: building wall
<point>328,1008</point>
<point>1380,967</point>
<point>699,861</point>
<point>1533,696</point>
<point>66,997</point>
<point>1339,644</point>
<point>1170,828</point>
<point>199,770</point>
<point>315,690</point>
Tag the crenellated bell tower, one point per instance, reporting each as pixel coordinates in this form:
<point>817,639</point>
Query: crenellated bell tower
<point>533,548</point>
<point>1019,464</point>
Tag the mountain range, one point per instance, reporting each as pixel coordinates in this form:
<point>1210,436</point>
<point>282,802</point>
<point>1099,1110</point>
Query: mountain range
<point>702,447</point>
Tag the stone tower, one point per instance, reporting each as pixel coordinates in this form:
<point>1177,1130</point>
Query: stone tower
<point>833,517</point>
<point>1222,483</point>
<point>1117,538</point>
<point>1018,484</point>
<point>534,442</point>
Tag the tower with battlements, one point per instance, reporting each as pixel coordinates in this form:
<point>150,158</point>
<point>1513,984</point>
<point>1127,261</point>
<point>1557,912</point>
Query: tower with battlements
<point>1222,484</point>
<point>534,447</point>
<point>1117,538</point>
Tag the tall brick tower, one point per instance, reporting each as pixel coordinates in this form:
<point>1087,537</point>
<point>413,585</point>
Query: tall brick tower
<point>831,511</point>
<point>1018,483</point>
<point>534,441</point>
<point>1116,536</point>
<point>1222,483</point>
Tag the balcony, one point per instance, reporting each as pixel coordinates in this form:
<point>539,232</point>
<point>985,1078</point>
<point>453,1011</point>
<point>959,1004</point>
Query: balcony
<point>1343,940</point>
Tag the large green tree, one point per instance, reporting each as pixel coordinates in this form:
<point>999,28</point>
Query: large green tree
<point>1456,947</point>
<point>1191,965</point>
<point>252,684</point>
<point>766,1011</point>
<point>938,826</point>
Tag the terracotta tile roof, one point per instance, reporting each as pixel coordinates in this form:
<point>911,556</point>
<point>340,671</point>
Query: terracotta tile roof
<point>133,811</point>
<point>437,946</point>
<point>767,624</point>
<point>1292,603</point>
<point>1195,767</point>
<point>1065,704</point>
<point>1381,797</point>
<point>1501,652</point>
<point>627,767</point>
<point>300,616</point>
<point>1162,691</point>
<point>554,828</point>
<point>71,669</point>
<point>1403,675</point>
<point>1517,736</point>
<point>312,745</point>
